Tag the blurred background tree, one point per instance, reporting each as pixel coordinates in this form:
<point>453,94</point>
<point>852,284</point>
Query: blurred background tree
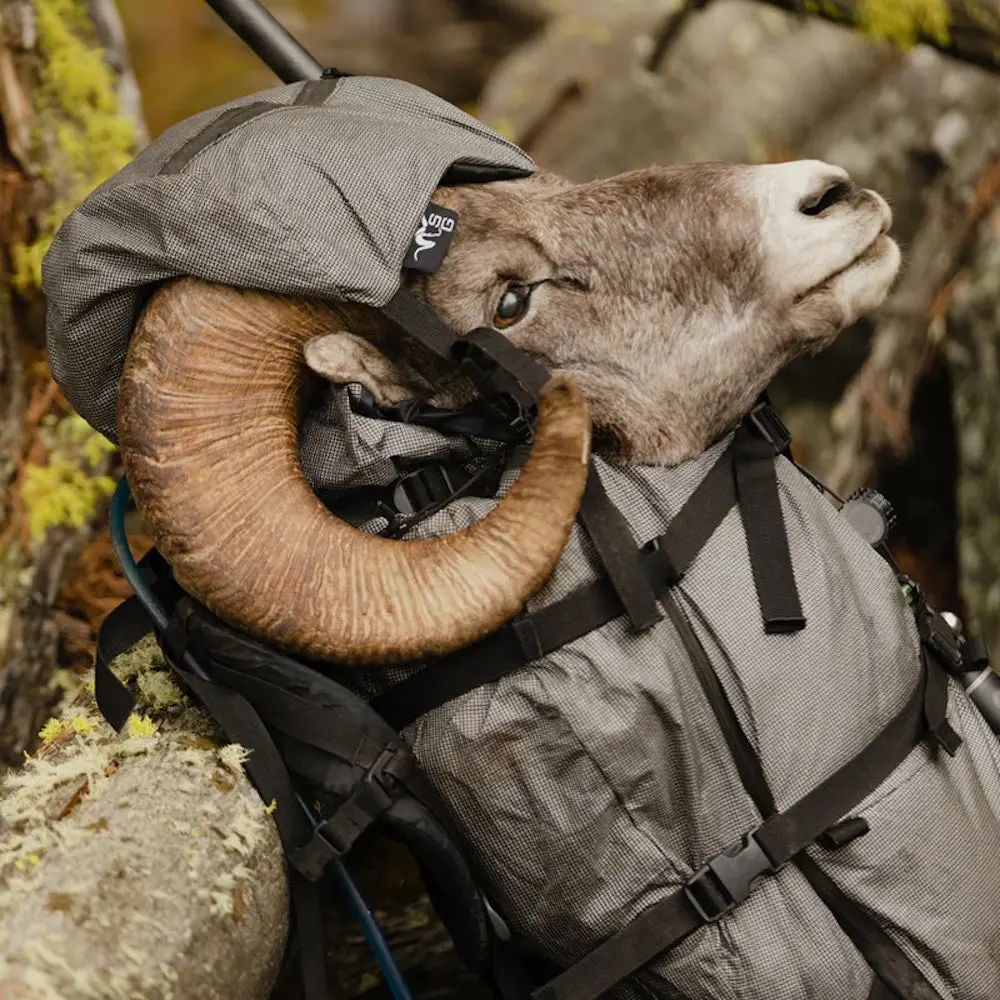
<point>907,400</point>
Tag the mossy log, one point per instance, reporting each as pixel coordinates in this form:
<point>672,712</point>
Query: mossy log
<point>140,866</point>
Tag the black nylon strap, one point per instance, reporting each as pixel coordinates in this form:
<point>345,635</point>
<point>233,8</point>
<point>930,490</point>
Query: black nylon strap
<point>301,718</point>
<point>316,92</point>
<point>226,122</point>
<point>609,531</point>
<point>119,632</point>
<point>414,316</point>
<point>744,756</point>
<point>503,353</point>
<point>781,837</point>
<point>770,559</point>
<point>878,949</point>
<point>585,610</point>
<point>880,991</point>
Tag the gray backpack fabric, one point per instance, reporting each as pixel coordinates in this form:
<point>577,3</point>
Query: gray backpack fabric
<point>594,782</point>
<point>311,189</point>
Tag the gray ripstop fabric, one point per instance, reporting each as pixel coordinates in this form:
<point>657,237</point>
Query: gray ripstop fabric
<point>594,782</point>
<point>318,201</point>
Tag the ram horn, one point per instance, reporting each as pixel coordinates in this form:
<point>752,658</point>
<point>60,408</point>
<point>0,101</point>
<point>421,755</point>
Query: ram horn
<point>208,410</point>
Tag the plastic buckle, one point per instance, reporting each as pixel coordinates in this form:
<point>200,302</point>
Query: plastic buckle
<point>504,393</point>
<point>415,491</point>
<point>939,637</point>
<point>334,836</point>
<point>727,879</point>
<point>381,780</point>
<point>764,420</point>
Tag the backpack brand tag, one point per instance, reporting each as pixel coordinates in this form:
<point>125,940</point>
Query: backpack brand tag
<point>431,240</point>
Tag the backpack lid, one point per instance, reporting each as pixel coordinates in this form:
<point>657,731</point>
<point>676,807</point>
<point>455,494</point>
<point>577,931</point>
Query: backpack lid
<point>312,190</point>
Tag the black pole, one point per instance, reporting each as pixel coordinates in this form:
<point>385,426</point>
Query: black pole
<point>268,39</point>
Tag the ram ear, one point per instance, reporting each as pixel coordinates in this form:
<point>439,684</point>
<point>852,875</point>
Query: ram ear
<point>344,357</point>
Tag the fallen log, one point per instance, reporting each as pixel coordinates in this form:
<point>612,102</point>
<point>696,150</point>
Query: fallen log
<point>143,865</point>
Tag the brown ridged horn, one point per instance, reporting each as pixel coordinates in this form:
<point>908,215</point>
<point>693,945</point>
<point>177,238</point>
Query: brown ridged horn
<point>208,409</point>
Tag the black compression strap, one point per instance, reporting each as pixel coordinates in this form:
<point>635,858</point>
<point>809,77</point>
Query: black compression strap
<point>498,349</point>
<point>119,632</point>
<point>616,548</point>
<point>880,991</point>
<point>413,315</point>
<point>770,559</point>
<point>878,949</point>
<point>780,838</point>
<point>316,92</point>
<point>226,122</point>
<point>585,610</point>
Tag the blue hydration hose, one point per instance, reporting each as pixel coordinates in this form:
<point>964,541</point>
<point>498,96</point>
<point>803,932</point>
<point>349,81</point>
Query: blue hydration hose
<point>119,542</point>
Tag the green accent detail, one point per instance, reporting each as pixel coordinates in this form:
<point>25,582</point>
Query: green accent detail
<point>79,116</point>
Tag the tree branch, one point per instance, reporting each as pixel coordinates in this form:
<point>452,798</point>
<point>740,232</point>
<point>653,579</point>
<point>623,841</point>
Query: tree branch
<point>966,29</point>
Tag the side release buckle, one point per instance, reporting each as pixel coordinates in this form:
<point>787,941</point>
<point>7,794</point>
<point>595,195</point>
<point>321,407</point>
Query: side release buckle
<point>728,879</point>
<point>334,836</point>
<point>765,422</point>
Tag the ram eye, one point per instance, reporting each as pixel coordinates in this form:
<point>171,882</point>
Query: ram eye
<point>512,306</point>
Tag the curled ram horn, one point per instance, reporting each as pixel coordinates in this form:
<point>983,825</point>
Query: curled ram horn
<point>208,410</point>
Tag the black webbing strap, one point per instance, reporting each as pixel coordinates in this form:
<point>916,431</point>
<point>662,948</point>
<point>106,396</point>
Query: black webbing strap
<point>316,92</point>
<point>898,977</point>
<point>880,991</point>
<point>770,559</point>
<point>241,724</point>
<point>484,348</point>
<point>617,550</point>
<point>226,122</point>
<point>729,877</point>
<point>664,560</point>
<point>118,633</point>
<point>413,315</point>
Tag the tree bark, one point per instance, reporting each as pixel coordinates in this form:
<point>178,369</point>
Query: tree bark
<point>973,350</point>
<point>69,115</point>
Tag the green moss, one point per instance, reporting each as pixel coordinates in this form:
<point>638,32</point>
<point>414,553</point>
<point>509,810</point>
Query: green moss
<point>904,22</point>
<point>79,117</point>
<point>61,493</point>
<point>66,491</point>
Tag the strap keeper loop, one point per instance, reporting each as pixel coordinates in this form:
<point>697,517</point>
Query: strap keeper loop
<point>528,638</point>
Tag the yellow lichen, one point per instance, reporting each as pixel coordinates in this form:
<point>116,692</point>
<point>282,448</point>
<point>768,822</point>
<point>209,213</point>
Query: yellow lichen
<point>61,493</point>
<point>79,115</point>
<point>904,22</point>
<point>51,731</point>
<point>140,726</point>
<point>82,726</point>
<point>271,807</point>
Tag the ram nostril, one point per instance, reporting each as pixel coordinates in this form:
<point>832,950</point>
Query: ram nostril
<point>833,193</point>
